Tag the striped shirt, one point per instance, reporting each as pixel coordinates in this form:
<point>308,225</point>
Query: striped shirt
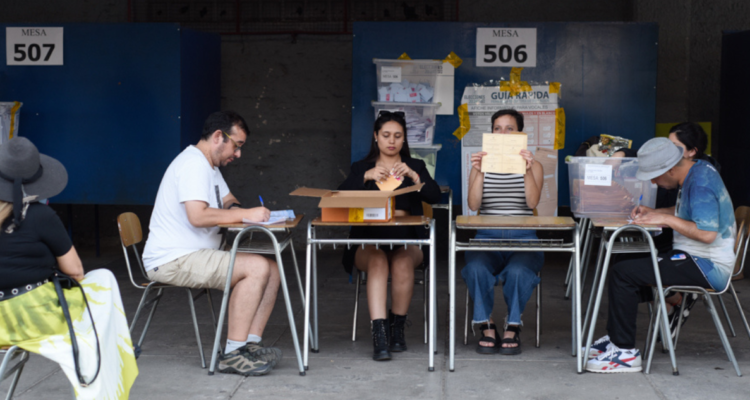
<point>504,194</point>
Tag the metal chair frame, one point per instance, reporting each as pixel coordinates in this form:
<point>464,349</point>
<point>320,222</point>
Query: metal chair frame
<point>706,294</point>
<point>131,234</point>
<point>6,369</point>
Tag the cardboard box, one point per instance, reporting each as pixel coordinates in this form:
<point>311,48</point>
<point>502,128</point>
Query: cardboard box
<point>355,205</point>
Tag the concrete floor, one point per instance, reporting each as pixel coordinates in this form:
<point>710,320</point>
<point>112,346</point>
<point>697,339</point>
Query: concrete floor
<point>170,365</point>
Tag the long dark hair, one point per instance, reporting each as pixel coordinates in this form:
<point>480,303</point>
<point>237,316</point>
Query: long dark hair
<point>383,117</point>
<point>692,136</point>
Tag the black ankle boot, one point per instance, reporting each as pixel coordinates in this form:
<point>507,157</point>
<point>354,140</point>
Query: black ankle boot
<point>380,340</point>
<point>397,324</point>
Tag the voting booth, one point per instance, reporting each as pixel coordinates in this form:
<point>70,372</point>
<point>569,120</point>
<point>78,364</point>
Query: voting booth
<point>606,74</point>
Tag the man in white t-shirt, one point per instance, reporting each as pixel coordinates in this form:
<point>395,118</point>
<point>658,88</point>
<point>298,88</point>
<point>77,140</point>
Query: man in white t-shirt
<point>183,243</point>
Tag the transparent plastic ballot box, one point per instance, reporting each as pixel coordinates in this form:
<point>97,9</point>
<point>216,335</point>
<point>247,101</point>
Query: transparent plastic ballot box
<point>420,119</point>
<point>407,81</point>
<point>428,154</point>
<point>606,187</point>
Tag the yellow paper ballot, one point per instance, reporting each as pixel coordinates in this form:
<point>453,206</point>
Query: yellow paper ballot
<point>390,183</point>
<point>503,153</point>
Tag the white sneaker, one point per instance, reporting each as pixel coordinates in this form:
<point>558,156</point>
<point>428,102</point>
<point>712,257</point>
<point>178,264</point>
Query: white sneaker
<point>600,346</point>
<point>616,360</point>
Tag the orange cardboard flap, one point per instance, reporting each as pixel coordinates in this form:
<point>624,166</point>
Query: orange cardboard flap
<point>414,188</point>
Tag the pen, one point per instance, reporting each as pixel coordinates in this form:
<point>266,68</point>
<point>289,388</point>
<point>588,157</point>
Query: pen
<point>638,207</point>
<point>262,205</point>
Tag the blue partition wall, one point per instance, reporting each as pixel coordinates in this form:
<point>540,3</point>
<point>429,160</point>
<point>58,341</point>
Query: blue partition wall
<point>607,72</point>
<point>127,100</point>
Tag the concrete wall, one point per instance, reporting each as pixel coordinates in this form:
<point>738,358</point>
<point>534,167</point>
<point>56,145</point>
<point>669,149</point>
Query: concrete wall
<point>295,92</point>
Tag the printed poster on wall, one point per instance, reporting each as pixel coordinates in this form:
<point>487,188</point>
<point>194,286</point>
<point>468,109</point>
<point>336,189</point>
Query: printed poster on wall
<point>538,109</point>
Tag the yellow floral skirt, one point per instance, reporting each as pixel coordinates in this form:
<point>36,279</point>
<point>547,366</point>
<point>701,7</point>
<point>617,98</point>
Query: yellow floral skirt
<point>35,322</point>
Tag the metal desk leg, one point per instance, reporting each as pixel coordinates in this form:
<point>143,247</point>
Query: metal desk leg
<point>578,334</point>
<point>452,299</point>
<point>667,337</point>
<point>299,280</point>
<point>308,267</point>
<point>597,275</point>
<point>288,302</point>
<point>433,331</point>
<point>316,341</point>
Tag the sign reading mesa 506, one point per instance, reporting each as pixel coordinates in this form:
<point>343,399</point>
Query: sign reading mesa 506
<point>506,47</point>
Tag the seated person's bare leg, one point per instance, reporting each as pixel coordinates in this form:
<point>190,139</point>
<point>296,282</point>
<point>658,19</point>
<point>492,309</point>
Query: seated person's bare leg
<point>253,288</point>
<point>375,263</point>
<point>403,263</point>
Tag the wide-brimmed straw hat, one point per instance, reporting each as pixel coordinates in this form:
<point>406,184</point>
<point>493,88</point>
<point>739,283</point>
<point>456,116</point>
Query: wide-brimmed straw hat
<point>25,172</point>
<point>656,157</point>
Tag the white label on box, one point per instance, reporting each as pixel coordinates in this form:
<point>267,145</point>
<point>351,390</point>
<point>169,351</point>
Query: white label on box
<point>374,214</point>
<point>390,74</point>
<point>506,47</point>
<point>598,175</point>
<point>34,46</point>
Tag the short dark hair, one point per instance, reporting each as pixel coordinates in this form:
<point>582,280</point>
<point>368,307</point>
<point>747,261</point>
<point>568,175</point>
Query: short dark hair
<point>692,136</point>
<point>384,117</point>
<point>513,113</point>
<point>223,121</point>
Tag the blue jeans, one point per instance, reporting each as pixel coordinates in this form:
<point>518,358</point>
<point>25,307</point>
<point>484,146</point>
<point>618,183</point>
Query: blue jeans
<point>517,270</point>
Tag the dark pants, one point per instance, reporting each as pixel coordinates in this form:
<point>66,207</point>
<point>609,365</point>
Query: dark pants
<point>631,278</point>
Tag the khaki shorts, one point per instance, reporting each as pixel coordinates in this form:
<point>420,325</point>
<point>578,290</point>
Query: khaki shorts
<point>202,269</point>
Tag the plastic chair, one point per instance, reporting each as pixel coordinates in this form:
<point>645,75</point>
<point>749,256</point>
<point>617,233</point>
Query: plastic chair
<point>130,235</point>
<point>11,354</point>
<point>362,280</point>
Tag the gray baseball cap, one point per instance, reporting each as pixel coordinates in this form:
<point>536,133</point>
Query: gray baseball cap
<point>656,157</point>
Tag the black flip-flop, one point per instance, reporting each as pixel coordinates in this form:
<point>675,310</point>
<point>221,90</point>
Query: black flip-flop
<point>489,349</point>
<point>516,339</point>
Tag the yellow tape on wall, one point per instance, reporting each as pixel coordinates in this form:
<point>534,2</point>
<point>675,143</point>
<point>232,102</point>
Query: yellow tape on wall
<point>463,121</point>
<point>559,128</point>
<point>454,59</point>
<point>13,112</point>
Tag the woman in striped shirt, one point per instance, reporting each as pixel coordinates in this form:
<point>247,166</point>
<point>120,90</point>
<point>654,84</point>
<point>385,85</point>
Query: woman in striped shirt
<point>504,195</point>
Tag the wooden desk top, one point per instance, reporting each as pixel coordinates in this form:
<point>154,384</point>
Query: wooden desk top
<point>288,224</point>
<point>614,223</point>
<point>487,221</point>
<point>411,220</point>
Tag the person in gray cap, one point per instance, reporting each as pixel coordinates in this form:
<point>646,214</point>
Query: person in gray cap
<point>702,255</point>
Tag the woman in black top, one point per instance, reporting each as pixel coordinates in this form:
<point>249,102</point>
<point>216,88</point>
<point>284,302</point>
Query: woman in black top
<point>33,245</point>
<point>389,156</point>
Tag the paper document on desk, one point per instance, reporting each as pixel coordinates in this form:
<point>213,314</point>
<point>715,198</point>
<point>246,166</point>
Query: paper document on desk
<point>275,218</point>
<point>503,153</point>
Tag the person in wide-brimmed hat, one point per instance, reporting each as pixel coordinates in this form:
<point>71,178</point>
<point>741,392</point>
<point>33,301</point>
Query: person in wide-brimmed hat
<point>702,255</point>
<point>33,245</point>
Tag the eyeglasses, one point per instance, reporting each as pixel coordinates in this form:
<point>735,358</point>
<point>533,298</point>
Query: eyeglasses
<point>395,113</point>
<point>236,146</point>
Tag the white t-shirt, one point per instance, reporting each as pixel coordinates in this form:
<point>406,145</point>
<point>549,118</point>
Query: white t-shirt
<point>188,177</point>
